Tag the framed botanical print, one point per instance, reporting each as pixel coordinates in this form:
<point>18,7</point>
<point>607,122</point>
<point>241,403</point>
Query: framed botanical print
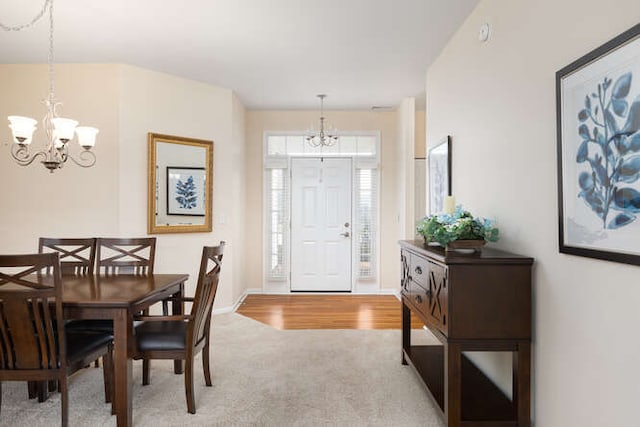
<point>186,191</point>
<point>598,146</point>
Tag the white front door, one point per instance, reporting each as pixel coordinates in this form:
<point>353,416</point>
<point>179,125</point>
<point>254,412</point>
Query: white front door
<point>321,224</point>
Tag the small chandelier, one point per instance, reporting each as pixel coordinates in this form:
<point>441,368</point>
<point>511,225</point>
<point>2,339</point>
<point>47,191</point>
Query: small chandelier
<point>60,131</point>
<point>321,138</point>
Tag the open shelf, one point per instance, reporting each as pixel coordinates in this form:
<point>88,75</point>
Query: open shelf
<point>428,360</point>
<point>481,400</point>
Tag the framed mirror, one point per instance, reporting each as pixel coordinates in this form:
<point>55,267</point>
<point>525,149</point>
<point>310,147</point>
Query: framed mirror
<point>439,165</point>
<point>180,186</point>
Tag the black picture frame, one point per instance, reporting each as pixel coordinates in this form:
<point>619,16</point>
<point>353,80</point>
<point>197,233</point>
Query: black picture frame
<point>439,169</point>
<point>598,152</point>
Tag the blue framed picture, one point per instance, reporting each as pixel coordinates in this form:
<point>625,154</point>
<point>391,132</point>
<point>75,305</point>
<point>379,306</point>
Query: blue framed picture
<point>186,191</point>
<point>598,126</point>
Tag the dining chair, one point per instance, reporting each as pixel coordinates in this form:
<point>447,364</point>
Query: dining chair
<point>184,336</point>
<point>115,256</point>
<point>77,256</point>
<point>120,256</point>
<point>34,345</point>
<point>125,255</point>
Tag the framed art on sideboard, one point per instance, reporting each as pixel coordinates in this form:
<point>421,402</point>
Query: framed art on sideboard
<point>439,165</point>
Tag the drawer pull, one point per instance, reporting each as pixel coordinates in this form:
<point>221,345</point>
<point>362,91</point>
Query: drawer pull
<point>418,270</point>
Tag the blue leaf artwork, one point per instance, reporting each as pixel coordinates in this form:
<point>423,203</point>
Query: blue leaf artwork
<point>610,133</point>
<point>186,192</point>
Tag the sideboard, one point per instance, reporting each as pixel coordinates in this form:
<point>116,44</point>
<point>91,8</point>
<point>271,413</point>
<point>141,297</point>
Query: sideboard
<point>469,302</point>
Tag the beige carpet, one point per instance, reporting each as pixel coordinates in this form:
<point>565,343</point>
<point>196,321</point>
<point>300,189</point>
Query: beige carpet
<point>261,377</point>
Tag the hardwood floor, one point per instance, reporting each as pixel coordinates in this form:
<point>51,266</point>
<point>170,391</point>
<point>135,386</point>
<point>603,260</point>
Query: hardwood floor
<point>325,311</point>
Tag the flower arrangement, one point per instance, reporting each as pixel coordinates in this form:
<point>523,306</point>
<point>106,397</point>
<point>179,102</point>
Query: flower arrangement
<point>445,228</point>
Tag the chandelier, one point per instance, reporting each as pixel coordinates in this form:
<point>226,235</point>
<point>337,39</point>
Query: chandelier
<point>60,131</point>
<point>321,138</point>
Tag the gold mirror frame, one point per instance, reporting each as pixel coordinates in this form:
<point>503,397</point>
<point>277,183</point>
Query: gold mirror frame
<point>152,188</point>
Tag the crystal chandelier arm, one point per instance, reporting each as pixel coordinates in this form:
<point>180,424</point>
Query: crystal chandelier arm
<point>21,155</point>
<point>321,138</point>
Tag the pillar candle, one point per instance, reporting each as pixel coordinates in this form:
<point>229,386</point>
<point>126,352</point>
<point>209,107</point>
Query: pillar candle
<point>450,204</point>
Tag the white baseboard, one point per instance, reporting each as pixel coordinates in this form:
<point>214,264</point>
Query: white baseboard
<point>223,310</point>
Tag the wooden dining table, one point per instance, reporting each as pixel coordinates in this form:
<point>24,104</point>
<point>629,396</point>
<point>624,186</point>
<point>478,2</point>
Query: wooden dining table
<point>119,297</point>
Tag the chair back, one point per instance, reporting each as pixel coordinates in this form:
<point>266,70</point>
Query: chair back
<point>125,255</point>
<point>208,278</point>
<point>31,323</point>
<point>77,256</point>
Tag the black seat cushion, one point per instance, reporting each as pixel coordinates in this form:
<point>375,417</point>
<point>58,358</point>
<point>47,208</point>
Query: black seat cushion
<point>100,325</point>
<point>162,335</point>
<point>81,344</point>
<point>93,325</point>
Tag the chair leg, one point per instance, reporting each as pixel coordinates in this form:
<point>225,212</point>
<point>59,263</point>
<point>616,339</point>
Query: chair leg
<point>107,373</point>
<point>31,389</point>
<point>43,387</point>
<point>146,368</point>
<point>64,401</point>
<point>205,364</point>
<point>188,385</point>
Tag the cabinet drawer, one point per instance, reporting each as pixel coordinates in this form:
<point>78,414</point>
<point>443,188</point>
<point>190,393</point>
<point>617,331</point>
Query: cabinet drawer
<point>419,270</point>
<point>419,297</point>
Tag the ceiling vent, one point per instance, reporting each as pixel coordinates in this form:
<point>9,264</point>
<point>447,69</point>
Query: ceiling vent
<point>382,108</point>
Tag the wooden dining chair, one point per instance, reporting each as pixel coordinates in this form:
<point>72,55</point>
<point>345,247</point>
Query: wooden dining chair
<point>77,256</point>
<point>125,255</point>
<point>184,336</point>
<point>120,256</point>
<point>34,345</point>
<point>116,256</point>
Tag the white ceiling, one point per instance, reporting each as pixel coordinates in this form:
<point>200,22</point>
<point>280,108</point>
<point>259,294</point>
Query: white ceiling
<point>275,54</point>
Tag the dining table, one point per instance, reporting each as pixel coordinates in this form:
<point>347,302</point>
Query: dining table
<point>119,298</point>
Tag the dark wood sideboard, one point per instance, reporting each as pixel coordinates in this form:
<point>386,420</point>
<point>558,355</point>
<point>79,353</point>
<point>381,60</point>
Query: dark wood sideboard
<point>470,302</point>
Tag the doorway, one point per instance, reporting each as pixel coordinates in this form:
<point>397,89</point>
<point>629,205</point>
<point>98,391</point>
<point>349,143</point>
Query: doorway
<point>321,224</point>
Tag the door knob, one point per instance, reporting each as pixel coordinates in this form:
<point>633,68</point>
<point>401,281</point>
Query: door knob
<point>346,224</point>
<point>345,234</point>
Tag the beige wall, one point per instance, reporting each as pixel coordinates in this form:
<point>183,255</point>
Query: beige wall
<point>405,147</point>
<point>259,122</point>
<point>162,103</point>
<point>234,185</point>
<point>72,201</point>
<point>497,100</point>
<point>111,198</point>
